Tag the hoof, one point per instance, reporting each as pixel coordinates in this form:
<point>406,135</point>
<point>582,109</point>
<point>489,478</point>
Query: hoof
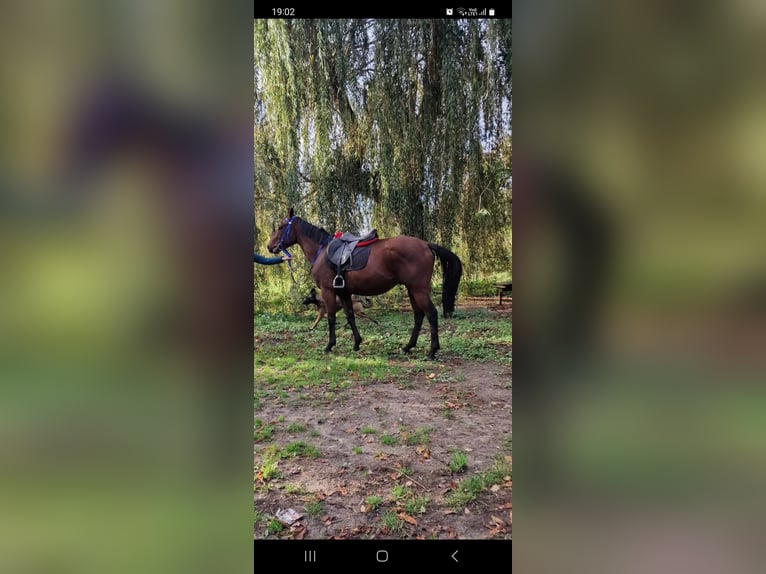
<point>327,350</point>
<point>406,350</point>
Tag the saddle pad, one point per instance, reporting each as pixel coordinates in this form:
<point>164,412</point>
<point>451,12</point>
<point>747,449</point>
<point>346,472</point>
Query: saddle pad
<point>358,259</point>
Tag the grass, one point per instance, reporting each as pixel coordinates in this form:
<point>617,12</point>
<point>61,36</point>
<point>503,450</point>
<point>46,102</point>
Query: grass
<point>300,364</point>
<point>263,432</point>
<point>373,501</point>
<point>274,526</point>
<point>314,508</point>
<point>294,428</point>
<point>459,461</point>
<point>358,450</point>
<point>392,522</point>
<point>399,492</point>
<point>269,471</point>
<point>416,504</point>
<point>508,443</point>
<point>368,430</point>
<point>300,448</point>
<point>419,436</point>
<point>388,439</point>
<point>295,489</point>
<point>469,488</point>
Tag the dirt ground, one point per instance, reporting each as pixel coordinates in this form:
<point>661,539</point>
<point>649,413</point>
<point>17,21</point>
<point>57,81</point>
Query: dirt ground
<point>354,465</point>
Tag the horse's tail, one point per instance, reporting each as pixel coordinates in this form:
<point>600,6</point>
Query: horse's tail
<point>452,271</point>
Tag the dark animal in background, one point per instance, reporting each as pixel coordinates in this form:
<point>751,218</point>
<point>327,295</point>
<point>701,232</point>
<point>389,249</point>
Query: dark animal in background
<point>359,303</point>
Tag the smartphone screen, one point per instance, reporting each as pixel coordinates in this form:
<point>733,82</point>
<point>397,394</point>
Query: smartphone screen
<point>383,286</point>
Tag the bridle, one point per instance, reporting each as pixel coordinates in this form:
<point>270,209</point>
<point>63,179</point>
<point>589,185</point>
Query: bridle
<point>285,235</point>
<point>281,247</point>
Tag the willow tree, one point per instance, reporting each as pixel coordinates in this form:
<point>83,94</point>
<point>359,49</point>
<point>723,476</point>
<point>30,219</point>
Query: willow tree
<point>403,125</point>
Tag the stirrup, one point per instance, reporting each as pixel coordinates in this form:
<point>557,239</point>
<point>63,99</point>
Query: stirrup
<point>338,282</point>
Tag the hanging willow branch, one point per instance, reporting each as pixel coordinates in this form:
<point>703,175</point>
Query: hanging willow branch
<point>404,125</point>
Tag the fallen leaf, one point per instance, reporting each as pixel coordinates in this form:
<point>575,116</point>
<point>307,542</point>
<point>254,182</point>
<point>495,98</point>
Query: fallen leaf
<point>466,510</point>
<point>497,520</point>
<point>510,516</point>
<point>495,487</point>
<point>445,512</point>
<point>431,376</point>
<point>507,478</point>
<point>351,430</point>
<point>407,518</point>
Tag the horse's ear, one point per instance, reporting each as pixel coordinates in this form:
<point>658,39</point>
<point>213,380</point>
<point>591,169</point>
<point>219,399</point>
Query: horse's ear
<point>291,214</point>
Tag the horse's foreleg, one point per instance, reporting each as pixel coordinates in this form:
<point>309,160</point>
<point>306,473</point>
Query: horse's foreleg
<point>418,325</point>
<point>331,325</point>
<point>348,307</point>
<point>331,308</point>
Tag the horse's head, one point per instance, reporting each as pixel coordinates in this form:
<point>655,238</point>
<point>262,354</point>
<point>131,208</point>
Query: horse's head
<point>284,235</point>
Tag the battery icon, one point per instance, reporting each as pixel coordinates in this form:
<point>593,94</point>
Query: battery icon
<point>491,11</point>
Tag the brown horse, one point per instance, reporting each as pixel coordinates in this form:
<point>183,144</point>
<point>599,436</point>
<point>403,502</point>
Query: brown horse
<point>400,260</point>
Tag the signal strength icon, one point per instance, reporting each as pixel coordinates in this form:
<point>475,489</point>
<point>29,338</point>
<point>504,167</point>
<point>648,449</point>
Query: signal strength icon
<point>483,12</point>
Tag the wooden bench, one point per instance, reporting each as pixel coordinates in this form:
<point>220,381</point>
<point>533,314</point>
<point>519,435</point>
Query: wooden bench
<point>503,288</point>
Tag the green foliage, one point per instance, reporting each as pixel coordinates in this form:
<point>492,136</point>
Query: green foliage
<point>398,492</point>
<point>388,440</point>
<point>373,501</point>
<point>459,461</point>
<point>300,448</point>
<point>416,504</point>
<point>392,522</point>
<point>402,125</point>
<point>469,488</point>
<point>419,436</point>
<point>294,428</point>
<point>274,526</point>
<point>314,508</point>
<point>263,432</point>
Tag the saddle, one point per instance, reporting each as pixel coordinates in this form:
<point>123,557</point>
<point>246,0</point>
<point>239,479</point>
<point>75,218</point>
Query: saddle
<point>349,252</point>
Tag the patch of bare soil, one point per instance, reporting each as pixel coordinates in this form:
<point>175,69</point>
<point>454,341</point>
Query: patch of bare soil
<point>471,411</point>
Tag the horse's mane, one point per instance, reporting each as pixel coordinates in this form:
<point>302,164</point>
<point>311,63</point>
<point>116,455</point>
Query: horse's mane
<point>314,233</point>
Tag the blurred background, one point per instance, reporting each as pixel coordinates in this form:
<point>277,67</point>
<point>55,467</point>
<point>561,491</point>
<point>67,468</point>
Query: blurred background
<point>640,266</point>
<point>125,286</point>
<point>126,312</point>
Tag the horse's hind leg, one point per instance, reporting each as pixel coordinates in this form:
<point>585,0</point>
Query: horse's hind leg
<point>418,324</point>
<point>348,307</point>
<point>424,302</point>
